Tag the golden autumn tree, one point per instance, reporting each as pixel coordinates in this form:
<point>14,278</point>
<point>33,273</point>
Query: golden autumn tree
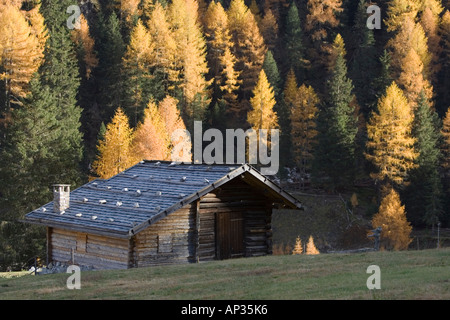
<point>190,58</point>
<point>249,49</point>
<point>411,78</point>
<point>153,138</point>
<point>136,66</point>
<point>150,140</point>
<point>430,20</point>
<point>400,10</point>
<point>290,89</point>
<point>84,41</point>
<point>114,150</point>
<point>21,52</point>
<point>262,115</point>
<point>221,60</point>
<point>269,29</point>
<point>298,248</point>
<point>337,48</point>
<point>322,15</point>
<point>38,29</point>
<point>410,35</point>
<point>163,56</point>
<point>128,9</point>
<point>303,126</point>
<point>391,217</point>
<point>180,142</point>
<point>390,142</point>
<point>311,247</point>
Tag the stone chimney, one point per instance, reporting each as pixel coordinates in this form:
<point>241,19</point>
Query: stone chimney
<point>61,197</point>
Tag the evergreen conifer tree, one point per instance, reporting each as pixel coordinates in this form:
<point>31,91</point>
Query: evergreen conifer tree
<point>364,63</point>
<point>424,194</point>
<point>40,150</point>
<point>294,41</point>
<point>337,125</point>
<point>110,47</point>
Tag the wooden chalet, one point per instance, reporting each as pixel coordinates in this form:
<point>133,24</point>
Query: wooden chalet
<point>162,213</point>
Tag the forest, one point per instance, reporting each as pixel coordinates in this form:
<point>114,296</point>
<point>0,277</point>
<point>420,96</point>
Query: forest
<point>92,87</point>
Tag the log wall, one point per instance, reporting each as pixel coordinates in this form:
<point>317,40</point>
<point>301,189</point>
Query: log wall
<point>97,251</point>
<point>168,241</point>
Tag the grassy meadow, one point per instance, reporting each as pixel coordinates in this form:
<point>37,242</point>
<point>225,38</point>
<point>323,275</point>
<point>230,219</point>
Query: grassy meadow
<point>423,274</point>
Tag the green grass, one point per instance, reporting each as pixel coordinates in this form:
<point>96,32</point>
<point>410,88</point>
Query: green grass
<point>404,275</point>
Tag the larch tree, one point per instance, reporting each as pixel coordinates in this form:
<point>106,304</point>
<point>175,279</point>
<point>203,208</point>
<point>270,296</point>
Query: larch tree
<point>36,20</point>
<point>269,29</point>
<point>311,247</point>
<point>115,152</point>
<point>430,20</point>
<point>136,66</point>
<point>303,126</point>
<point>232,82</point>
<point>400,10</point>
<point>163,58</point>
<point>180,143</point>
<point>290,89</point>
<point>262,115</point>
<point>150,140</point>
<point>21,54</point>
<point>191,57</point>
<point>249,49</point>
<point>276,6</point>
<point>390,145</point>
<point>411,79</point>
<point>337,49</point>
<point>85,44</point>
<point>321,18</point>
<point>391,217</point>
<point>221,60</point>
<point>298,247</point>
<point>409,35</point>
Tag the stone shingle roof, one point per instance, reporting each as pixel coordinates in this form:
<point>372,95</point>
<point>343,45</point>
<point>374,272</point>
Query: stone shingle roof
<point>141,195</point>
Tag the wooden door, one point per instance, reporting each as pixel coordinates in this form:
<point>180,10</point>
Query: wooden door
<point>229,235</point>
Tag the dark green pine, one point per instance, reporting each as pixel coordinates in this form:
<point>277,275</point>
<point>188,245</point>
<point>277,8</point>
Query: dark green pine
<point>294,42</point>
<point>334,162</point>
<point>424,194</point>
